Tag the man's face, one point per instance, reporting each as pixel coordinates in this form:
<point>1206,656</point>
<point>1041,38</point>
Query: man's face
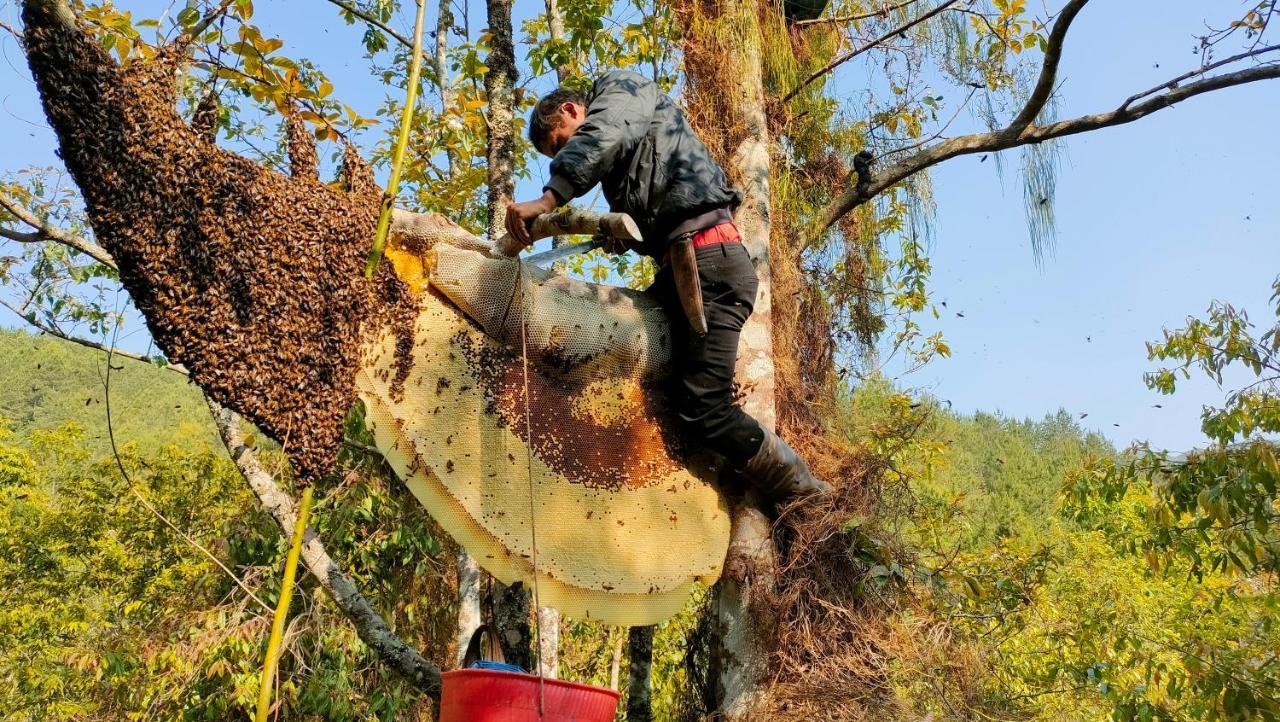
<point>569,117</point>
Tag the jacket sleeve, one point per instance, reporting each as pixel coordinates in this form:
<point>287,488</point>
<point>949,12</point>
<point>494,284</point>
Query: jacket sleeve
<point>619,109</point>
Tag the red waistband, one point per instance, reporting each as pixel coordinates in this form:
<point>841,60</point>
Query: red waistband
<point>721,233</point>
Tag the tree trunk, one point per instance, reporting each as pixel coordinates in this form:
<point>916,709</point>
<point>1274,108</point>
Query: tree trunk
<point>555,27</point>
<point>548,642</point>
<point>725,97</point>
<point>498,85</point>
<point>444,21</point>
<point>469,619</point>
<point>511,617</point>
<point>639,701</point>
<point>615,665</point>
<point>740,654</point>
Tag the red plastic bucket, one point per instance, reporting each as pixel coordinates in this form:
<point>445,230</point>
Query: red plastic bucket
<point>481,695</point>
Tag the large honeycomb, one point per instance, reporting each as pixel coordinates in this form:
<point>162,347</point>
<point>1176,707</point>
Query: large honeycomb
<point>623,526</point>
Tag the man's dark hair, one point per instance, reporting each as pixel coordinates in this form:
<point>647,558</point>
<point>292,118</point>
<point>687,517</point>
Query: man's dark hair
<point>545,113</point>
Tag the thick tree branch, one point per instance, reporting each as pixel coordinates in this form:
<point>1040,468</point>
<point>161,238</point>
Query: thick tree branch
<point>56,10</point>
<point>21,237</point>
<point>373,630</point>
<point>47,232</point>
<point>864,48</point>
<point>1049,69</point>
<point>1171,84</point>
<point>1009,138</point>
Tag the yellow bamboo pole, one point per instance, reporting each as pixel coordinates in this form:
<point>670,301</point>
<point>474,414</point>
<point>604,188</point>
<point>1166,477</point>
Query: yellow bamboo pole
<point>397,158</point>
<point>282,608</point>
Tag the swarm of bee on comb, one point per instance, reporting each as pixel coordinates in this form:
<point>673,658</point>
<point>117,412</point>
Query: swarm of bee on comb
<point>251,279</point>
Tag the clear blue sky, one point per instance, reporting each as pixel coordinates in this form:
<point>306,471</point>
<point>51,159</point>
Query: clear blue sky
<point>1155,219</point>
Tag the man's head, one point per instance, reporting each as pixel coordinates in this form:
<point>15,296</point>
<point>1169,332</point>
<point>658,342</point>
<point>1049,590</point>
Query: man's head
<point>555,118</point>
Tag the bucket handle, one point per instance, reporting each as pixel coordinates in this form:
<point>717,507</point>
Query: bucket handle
<point>477,649</point>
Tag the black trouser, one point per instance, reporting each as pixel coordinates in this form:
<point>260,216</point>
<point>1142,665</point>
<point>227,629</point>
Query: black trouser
<point>703,365</point>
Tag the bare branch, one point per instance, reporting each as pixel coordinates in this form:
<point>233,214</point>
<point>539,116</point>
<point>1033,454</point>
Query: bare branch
<point>444,19</point>
<point>882,12</point>
<point>1171,84</point>
<point>47,232</point>
<point>555,27</point>
<point>14,32</point>
<point>1008,138</point>
<point>864,48</point>
<point>373,630</point>
<point>941,131</point>
<point>351,8</point>
<point>1037,134</point>
<point>21,237</point>
<point>59,333</point>
<point>1049,70</point>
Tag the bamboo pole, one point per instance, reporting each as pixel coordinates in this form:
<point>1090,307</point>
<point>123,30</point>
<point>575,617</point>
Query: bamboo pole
<point>397,158</point>
<point>282,608</point>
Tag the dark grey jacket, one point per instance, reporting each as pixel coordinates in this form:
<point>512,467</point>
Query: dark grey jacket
<point>637,144</point>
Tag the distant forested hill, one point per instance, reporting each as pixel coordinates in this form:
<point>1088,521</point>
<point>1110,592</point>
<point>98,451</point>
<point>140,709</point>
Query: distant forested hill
<point>1009,472</point>
<point>47,382</point>
<point>1000,476</point>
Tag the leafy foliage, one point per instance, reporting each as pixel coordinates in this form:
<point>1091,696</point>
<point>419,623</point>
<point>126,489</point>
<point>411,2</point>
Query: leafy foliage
<point>1151,595</point>
<point>106,613</point>
<point>1208,516</point>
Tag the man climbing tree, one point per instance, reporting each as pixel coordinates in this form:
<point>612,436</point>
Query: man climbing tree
<point>761,93</point>
<point>627,135</point>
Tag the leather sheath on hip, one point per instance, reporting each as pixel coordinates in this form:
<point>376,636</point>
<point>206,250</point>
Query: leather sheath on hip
<point>684,271</point>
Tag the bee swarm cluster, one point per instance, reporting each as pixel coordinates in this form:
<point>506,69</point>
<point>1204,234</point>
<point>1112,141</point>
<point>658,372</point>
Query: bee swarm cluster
<point>251,279</point>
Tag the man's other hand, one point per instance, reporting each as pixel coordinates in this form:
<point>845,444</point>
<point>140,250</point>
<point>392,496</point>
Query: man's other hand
<point>519,215</point>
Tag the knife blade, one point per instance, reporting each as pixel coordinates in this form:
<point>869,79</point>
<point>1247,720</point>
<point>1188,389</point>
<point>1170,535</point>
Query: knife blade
<point>546,258</point>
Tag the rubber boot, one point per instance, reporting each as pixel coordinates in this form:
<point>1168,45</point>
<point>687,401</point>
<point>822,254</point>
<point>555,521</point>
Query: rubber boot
<point>779,473</point>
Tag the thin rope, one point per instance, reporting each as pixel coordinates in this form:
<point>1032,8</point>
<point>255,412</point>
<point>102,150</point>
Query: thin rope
<point>533,522</point>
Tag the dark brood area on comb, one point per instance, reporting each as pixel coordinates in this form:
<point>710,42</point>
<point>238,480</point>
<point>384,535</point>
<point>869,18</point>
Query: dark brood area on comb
<point>251,279</point>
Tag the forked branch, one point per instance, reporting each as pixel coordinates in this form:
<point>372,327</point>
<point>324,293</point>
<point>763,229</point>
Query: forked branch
<point>1023,131</point>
